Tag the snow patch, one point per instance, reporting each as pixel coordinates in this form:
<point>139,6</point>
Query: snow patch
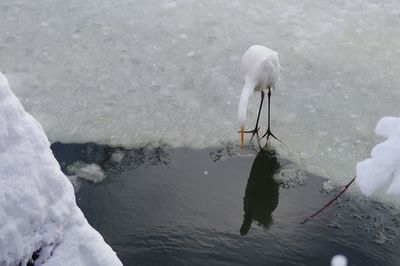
<point>339,260</point>
<point>38,212</point>
<point>375,172</point>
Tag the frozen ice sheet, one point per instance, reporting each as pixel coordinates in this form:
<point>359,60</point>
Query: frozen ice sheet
<point>139,72</point>
<point>91,172</point>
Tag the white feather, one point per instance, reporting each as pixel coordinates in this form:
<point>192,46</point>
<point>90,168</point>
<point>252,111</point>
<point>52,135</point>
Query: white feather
<point>261,70</point>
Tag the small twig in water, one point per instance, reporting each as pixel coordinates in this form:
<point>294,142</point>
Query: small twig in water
<point>331,201</point>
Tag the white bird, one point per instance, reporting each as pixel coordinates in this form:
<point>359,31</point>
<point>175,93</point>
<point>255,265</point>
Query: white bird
<point>261,70</point>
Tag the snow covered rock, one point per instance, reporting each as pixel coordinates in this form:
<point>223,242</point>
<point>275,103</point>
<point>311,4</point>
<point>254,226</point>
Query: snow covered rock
<point>375,172</point>
<point>38,214</point>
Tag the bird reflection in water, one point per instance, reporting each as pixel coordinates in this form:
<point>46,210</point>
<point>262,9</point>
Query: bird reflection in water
<point>262,191</point>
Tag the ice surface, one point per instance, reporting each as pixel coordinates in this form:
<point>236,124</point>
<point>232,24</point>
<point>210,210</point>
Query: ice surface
<point>117,156</point>
<point>91,172</point>
<point>38,212</point>
<point>327,187</point>
<point>384,164</point>
<point>152,71</point>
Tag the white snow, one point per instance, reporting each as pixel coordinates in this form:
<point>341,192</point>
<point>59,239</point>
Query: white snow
<point>384,165</point>
<point>37,202</point>
<point>339,260</point>
<point>112,86</point>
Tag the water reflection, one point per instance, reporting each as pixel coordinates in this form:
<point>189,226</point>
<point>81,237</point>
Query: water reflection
<point>262,191</point>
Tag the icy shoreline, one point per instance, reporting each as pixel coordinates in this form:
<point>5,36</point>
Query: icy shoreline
<point>38,212</point>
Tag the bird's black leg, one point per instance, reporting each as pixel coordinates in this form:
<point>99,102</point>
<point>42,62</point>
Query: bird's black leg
<point>256,128</point>
<point>269,133</point>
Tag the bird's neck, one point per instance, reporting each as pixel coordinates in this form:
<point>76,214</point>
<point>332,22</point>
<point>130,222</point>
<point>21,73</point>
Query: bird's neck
<point>244,100</point>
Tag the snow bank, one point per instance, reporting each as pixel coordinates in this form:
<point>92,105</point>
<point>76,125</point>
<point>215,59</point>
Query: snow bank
<point>38,212</point>
<point>375,172</point>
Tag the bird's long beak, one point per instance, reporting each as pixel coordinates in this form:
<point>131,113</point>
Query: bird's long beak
<point>241,137</point>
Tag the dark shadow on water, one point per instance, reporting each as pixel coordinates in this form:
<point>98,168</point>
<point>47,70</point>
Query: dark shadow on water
<point>262,191</point>
<point>166,206</point>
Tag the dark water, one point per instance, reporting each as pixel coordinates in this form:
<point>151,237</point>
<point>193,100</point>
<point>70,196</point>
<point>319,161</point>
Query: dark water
<point>161,206</point>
